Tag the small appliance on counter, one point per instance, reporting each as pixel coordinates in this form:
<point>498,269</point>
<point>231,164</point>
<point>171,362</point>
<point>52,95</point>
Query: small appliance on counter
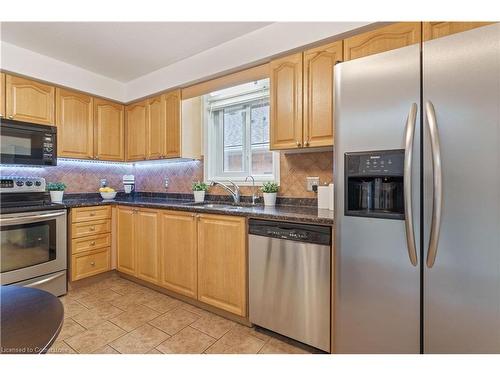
<point>33,239</point>
<point>129,183</point>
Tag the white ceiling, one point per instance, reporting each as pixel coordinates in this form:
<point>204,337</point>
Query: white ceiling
<point>123,50</point>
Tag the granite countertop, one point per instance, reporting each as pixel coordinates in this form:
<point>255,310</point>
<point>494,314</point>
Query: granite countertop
<point>304,214</point>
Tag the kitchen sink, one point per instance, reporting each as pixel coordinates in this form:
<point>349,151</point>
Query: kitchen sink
<point>222,206</point>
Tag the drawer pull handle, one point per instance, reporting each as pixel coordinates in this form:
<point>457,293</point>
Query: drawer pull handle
<point>92,243</point>
<point>92,263</point>
<point>92,229</point>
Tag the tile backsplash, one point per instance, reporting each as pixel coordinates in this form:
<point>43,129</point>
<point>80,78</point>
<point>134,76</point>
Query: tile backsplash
<point>84,176</point>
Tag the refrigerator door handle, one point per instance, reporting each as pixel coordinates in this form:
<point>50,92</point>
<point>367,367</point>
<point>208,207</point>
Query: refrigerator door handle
<point>410,232</point>
<point>437,182</point>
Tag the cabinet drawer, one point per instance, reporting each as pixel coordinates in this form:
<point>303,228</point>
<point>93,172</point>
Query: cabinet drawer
<point>79,245</point>
<point>88,228</point>
<point>91,213</point>
<point>90,263</point>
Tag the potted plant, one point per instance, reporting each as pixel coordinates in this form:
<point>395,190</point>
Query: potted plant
<point>56,190</point>
<point>199,189</point>
<point>269,190</point>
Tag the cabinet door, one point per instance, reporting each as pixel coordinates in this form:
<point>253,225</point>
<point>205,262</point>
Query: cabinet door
<point>75,125</point>
<point>433,30</point>
<point>384,39</point>
<point>155,137</point>
<point>2,95</point>
<point>179,252</point>
<point>146,245</point>
<point>286,102</point>
<point>29,101</point>
<point>222,279</point>
<point>318,94</point>
<point>173,124</point>
<point>125,240</point>
<point>136,131</point>
<point>109,130</point>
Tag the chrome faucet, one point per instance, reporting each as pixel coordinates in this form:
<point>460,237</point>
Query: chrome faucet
<point>234,193</point>
<point>254,196</point>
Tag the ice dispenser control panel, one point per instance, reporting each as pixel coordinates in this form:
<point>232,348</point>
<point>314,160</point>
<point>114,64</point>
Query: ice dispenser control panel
<point>374,184</point>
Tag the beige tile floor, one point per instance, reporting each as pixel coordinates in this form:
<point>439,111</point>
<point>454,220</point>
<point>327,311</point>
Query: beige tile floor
<point>114,316</point>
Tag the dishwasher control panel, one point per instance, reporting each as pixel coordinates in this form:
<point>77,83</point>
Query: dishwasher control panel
<point>291,231</point>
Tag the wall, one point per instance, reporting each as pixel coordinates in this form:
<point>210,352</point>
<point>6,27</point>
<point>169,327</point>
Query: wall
<point>84,176</point>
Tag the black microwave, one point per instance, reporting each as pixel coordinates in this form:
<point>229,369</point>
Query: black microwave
<point>27,144</point>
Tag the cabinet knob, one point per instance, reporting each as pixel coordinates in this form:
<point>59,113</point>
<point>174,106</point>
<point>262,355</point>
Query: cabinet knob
<point>92,263</point>
<point>306,143</point>
<point>92,229</point>
<point>92,214</point>
<point>92,243</point>
<point>97,158</point>
<point>11,117</point>
<point>298,144</point>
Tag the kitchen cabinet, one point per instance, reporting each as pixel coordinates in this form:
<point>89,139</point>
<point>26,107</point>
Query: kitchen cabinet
<point>179,257</point>
<point>319,93</point>
<point>286,102</point>
<point>146,231</point>
<point>433,30</point>
<point>75,124</point>
<point>125,240</point>
<point>109,130</point>
<point>90,241</point>
<point>136,118</point>
<point>222,267</point>
<point>383,39</point>
<point>155,127</point>
<point>172,124</point>
<point>29,101</point>
<point>2,95</point>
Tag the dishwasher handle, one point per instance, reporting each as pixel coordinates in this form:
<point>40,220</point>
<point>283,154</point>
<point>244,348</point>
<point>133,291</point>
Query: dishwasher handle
<point>307,233</point>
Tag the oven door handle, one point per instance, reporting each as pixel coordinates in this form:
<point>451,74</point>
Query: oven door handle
<point>30,218</point>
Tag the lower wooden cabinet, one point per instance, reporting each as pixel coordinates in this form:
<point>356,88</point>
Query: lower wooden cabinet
<point>222,268</point>
<point>199,256</point>
<point>90,263</point>
<point>146,245</point>
<point>125,240</point>
<point>179,257</point>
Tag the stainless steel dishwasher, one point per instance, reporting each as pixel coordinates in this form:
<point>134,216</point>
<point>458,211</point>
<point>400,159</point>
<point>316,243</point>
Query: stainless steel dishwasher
<point>289,280</point>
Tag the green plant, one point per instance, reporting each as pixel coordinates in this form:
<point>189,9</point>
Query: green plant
<point>200,186</point>
<point>269,187</point>
<point>56,186</point>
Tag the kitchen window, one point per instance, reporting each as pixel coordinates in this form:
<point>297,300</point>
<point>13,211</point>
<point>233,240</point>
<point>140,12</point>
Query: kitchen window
<point>237,139</point>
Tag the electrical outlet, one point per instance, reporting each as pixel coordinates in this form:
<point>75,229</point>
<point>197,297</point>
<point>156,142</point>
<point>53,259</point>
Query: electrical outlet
<point>310,182</point>
<point>166,182</point>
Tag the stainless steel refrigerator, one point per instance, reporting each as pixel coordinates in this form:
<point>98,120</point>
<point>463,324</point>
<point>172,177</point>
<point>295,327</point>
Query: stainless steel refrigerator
<point>417,199</point>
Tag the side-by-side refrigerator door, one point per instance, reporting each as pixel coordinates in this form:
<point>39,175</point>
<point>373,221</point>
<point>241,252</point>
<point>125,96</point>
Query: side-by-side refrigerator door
<point>461,83</point>
<point>377,274</point>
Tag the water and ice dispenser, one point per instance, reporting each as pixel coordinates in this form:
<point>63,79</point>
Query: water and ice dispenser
<point>374,184</point>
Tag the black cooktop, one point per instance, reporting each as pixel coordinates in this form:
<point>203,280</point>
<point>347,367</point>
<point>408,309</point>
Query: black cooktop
<point>26,202</point>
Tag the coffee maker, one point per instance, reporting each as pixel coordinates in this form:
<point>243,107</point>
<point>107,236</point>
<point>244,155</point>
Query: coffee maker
<point>128,183</point>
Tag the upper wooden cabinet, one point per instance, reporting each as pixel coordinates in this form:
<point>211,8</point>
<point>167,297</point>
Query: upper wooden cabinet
<point>172,124</point>
<point>136,115</point>
<point>155,128</point>
<point>318,93</point>
<point>286,102</point>
<point>75,124</point>
<point>2,95</point>
<point>384,39</point>
<point>433,30</point>
<point>109,130</point>
<point>29,101</point>
<point>179,256</point>
<point>222,267</point>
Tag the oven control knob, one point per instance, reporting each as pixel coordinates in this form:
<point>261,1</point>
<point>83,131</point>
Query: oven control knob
<point>19,183</point>
<point>37,183</point>
<point>29,183</point>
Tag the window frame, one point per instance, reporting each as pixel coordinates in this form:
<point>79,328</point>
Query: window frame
<point>214,142</point>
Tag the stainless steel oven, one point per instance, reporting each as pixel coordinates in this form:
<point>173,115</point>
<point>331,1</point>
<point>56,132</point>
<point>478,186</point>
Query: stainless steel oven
<point>29,144</point>
<point>33,250</point>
